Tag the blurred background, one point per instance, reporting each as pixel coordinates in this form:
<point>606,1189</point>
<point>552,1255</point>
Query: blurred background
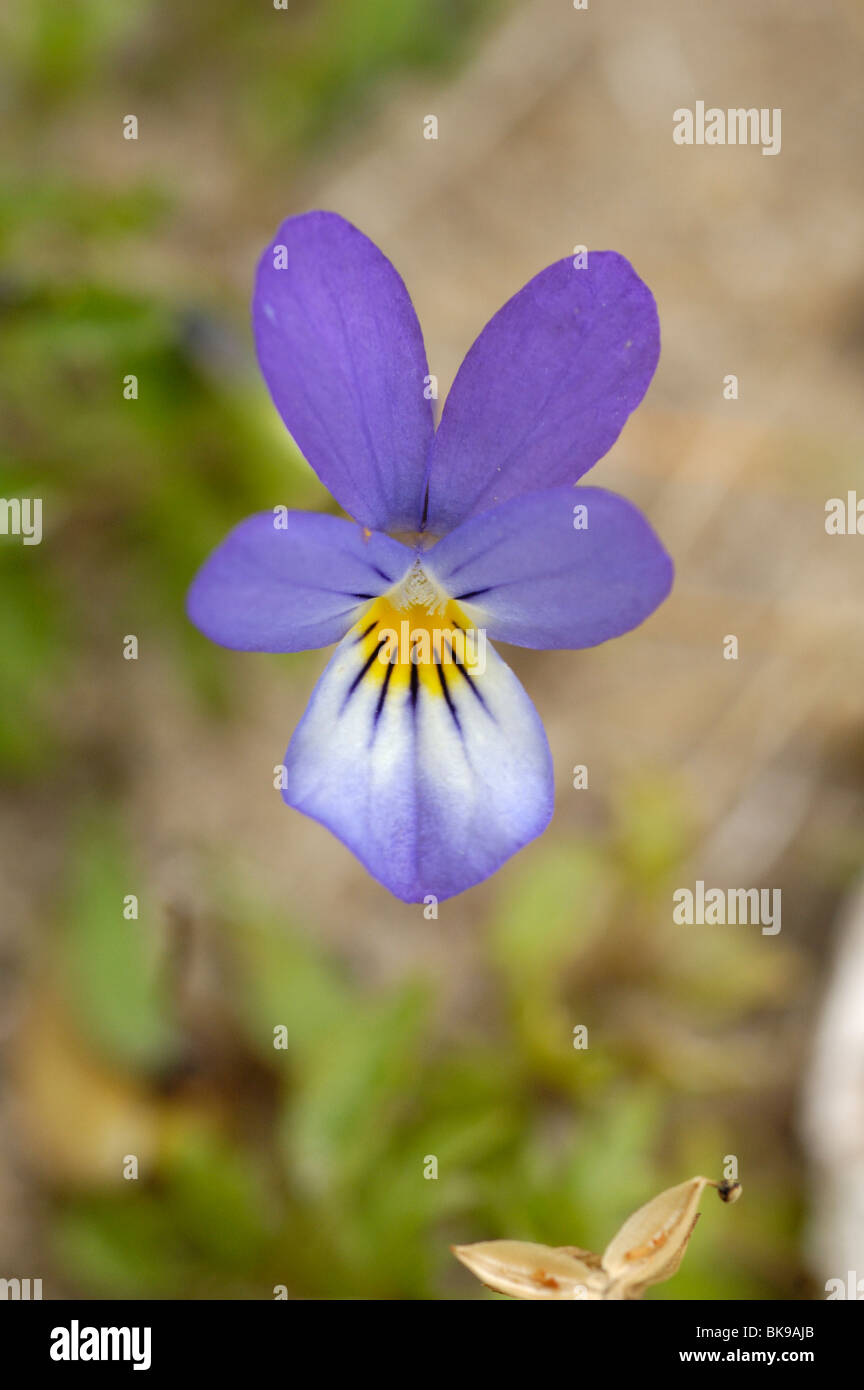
<point>407,1038</point>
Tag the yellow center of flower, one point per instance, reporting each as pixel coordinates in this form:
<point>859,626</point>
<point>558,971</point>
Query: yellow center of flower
<point>414,635</point>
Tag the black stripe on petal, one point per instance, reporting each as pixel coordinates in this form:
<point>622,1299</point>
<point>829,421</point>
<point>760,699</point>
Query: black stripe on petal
<point>362,672</point>
<point>445,690</point>
<point>415,685</point>
<point>381,698</point>
<point>466,675</point>
<point>472,686</point>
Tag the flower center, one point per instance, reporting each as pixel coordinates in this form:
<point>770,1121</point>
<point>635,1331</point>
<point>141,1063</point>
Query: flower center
<point>415,634</point>
<point>418,591</point>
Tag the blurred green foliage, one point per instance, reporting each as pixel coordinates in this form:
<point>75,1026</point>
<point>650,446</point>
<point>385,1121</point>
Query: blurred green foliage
<point>283,77</point>
<point>303,1164</point>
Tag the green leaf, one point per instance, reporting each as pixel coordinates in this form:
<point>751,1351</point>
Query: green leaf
<point>105,964</point>
<point>352,1088</point>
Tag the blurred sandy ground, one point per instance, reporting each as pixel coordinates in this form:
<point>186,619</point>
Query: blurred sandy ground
<point>558,131</point>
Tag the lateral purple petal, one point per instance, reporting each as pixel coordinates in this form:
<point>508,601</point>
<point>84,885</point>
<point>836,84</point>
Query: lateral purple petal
<point>546,389</point>
<point>342,352</point>
<point>570,567</point>
<point>292,586</point>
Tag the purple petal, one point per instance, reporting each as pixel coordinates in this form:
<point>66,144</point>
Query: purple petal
<point>342,353</point>
<point>546,388</point>
<point>432,789</point>
<point>291,581</point>
<point>530,572</point>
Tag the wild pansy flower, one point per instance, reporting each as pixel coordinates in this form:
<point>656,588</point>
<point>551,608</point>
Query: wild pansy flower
<point>419,749</point>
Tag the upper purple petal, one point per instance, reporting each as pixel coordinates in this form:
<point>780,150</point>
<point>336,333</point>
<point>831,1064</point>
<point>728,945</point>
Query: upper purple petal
<point>341,350</point>
<point>528,575</point>
<point>294,586</point>
<point>545,390</point>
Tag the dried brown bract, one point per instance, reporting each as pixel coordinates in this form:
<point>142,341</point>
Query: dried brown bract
<point>648,1249</point>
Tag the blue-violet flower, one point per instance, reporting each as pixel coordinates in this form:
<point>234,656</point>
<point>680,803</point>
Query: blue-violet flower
<point>419,749</point>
